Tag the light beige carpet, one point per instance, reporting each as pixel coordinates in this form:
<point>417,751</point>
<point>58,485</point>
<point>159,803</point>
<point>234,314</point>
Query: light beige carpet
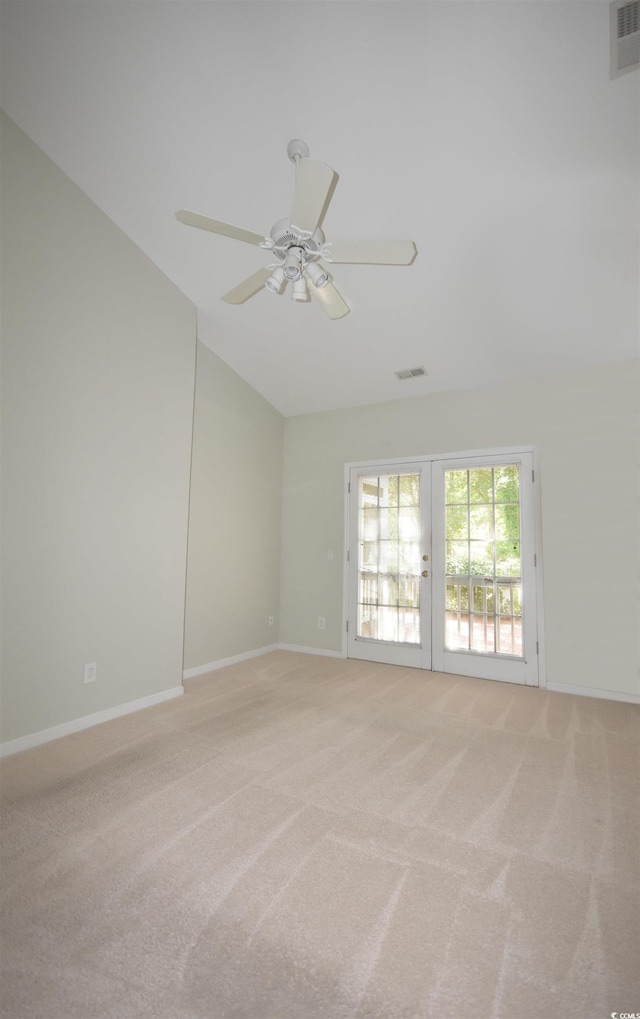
<point>310,838</point>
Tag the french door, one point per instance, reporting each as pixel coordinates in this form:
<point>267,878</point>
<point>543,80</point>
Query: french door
<point>442,566</point>
<point>390,565</point>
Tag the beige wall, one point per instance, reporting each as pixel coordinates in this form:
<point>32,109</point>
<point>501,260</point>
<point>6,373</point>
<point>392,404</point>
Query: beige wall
<point>97,399</point>
<point>585,426</point>
<point>233,569</point>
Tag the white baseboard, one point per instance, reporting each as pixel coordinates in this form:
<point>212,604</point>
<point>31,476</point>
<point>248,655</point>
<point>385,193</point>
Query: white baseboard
<point>588,691</point>
<point>13,746</point>
<point>310,650</point>
<point>200,670</point>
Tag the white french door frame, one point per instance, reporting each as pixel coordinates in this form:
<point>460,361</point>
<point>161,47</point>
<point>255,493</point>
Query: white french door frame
<point>438,461</point>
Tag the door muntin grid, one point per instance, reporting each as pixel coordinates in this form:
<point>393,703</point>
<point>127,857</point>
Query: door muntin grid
<point>483,571</point>
<point>389,549</point>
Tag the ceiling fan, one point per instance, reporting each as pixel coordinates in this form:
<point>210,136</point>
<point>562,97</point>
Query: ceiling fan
<point>299,242</point>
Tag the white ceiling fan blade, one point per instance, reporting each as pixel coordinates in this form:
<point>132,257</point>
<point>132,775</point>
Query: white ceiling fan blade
<point>214,225</point>
<point>315,184</point>
<point>247,288</point>
<point>333,304</point>
<point>371,252</point>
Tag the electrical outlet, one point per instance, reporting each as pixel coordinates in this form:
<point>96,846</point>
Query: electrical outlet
<point>321,622</point>
<point>271,620</point>
<point>91,672</point>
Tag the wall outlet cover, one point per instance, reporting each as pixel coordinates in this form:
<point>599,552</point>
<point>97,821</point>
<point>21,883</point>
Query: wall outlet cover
<point>91,672</point>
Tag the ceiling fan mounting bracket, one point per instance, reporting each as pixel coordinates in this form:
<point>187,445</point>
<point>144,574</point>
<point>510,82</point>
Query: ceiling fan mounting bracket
<point>297,149</point>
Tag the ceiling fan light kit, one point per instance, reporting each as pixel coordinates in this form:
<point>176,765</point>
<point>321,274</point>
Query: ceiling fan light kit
<point>299,242</point>
<point>299,290</point>
<point>293,263</point>
<point>318,276</point>
<point>275,282</point>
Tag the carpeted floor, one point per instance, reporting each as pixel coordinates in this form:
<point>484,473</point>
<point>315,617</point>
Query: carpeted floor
<point>310,838</point>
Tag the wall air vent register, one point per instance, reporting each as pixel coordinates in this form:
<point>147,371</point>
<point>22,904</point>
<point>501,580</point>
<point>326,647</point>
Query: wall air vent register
<point>410,373</point>
<point>624,33</point>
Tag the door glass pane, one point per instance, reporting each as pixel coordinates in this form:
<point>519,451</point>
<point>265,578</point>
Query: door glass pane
<point>458,558</point>
<point>457,522</point>
<point>408,522</point>
<point>481,558</point>
<point>409,626</point>
<point>481,485</point>
<point>508,558</point>
<point>457,487</point>
<point>483,561</point>
<point>389,558</point>
<point>507,484</point>
<point>457,614</point>
<point>409,592</point>
<point>369,524</point>
<point>507,522</point>
<point>409,489</point>
<point>481,521</point>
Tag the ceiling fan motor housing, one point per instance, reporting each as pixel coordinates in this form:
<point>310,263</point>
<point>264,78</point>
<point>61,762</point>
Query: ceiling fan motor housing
<point>284,237</point>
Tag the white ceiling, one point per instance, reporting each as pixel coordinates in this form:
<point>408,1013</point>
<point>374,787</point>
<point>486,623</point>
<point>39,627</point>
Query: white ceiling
<point>487,132</point>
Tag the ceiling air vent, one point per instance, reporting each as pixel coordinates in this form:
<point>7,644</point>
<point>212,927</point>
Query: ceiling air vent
<point>624,30</point>
<point>410,373</point>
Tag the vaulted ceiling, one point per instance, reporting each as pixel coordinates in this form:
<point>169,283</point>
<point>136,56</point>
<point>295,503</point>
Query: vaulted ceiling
<point>488,132</point>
